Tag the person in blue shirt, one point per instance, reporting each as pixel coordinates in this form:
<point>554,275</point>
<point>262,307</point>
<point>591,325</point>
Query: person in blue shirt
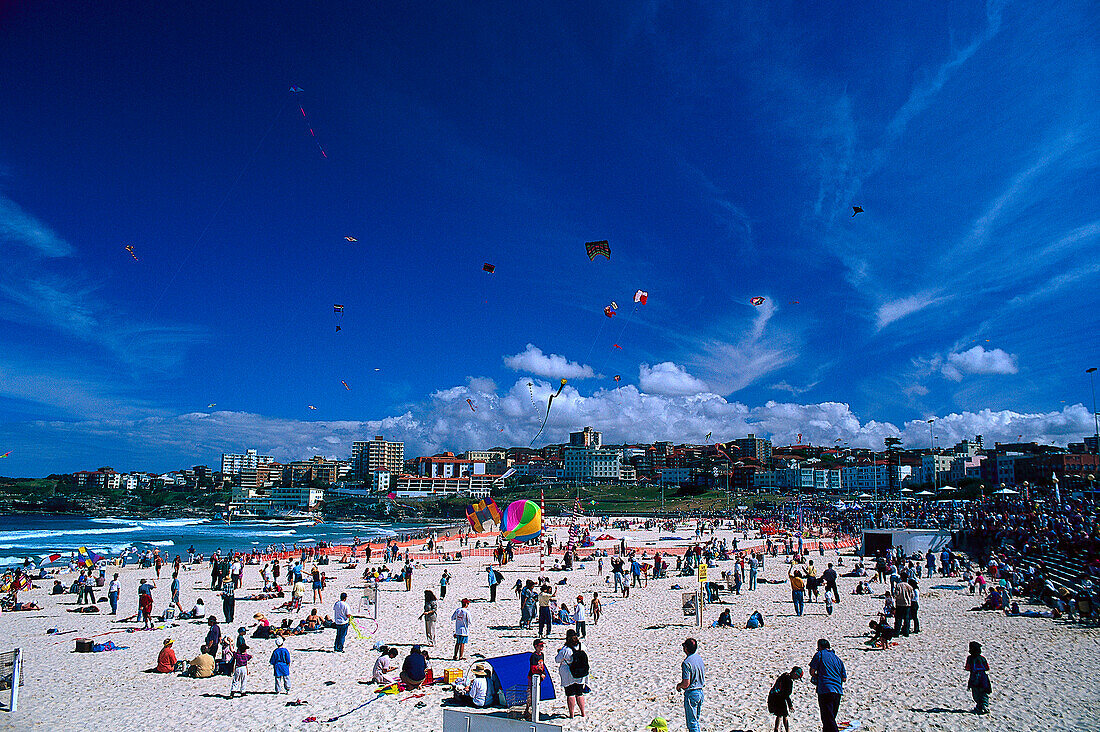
<point>280,661</point>
<point>827,673</point>
<point>691,683</point>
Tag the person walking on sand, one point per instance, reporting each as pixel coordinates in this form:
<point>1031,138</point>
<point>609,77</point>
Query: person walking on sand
<point>779,698</point>
<point>798,588</point>
<point>691,683</point>
<point>596,608</point>
<point>461,618</point>
<point>443,580</point>
<point>318,586</point>
<point>430,608</point>
<point>546,618</point>
<point>827,673</point>
<point>280,662</point>
<point>493,582</point>
<point>341,619</point>
<point>978,683</point>
<point>112,594</point>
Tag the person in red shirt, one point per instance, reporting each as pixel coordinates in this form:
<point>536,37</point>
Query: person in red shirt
<point>166,661</point>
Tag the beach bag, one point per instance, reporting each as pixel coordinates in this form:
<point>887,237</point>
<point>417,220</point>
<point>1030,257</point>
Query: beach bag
<point>578,667</point>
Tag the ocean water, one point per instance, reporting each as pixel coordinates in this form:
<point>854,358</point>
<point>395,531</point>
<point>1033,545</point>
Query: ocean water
<point>23,535</point>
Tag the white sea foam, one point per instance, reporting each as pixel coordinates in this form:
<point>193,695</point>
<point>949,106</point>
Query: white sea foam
<point>25,535</point>
<point>166,542</point>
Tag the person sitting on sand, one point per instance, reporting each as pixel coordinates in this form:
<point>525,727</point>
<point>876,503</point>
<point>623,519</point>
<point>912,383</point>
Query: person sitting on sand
<point>166,661</point>
<point>724,620</point>
<point>414,669</point>
<point>201,667</point>
<point>386,668</point>
<point>475,693</point>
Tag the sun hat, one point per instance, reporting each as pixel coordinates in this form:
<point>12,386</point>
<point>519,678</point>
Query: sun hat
<point>481,669</point>
<point>658,723</point>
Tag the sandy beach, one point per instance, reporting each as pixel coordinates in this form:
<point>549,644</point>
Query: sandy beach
<point>1042,671</point>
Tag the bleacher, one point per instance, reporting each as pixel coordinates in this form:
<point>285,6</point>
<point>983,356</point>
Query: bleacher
<point>1061,569</point>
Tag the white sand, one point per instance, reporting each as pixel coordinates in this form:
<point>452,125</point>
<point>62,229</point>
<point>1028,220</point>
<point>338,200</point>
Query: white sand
<point>1043,672</point>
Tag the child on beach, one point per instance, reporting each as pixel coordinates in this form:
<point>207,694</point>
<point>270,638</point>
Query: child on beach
<point>596,608</point>
<point>828,603</point>
<point>240,665</point>
<point>979,679</point>
<point>779,698</point>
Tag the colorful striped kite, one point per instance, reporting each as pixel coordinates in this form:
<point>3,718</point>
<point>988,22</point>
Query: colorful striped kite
<point>597,248</point>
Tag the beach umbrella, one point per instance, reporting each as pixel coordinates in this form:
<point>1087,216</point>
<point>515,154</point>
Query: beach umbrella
<point>1006,492</point>
<point>865,495</point>
<point>947,488</point>
<point>926,493</point>
<point>906,490</point>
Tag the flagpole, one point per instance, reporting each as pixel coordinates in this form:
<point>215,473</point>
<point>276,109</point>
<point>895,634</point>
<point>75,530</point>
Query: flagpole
<point>542,509</point>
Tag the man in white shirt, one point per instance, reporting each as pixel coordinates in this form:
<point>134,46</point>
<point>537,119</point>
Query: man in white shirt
<point>461,616</point>
<point>341,618</point>
<point>476,693</point>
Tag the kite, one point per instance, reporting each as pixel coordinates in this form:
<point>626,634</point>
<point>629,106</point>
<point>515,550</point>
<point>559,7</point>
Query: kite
<point>211,406</point>
<point>346,385</point>
<point>310,406</point>
<point>522,521</point>
<point>350,239</point>
<point>338,308</point>
<point>130,248</point>
<point>338,329</point>
<point>471,403</point>
<point>6,454</point>
<point>707,438</point>
<point>723,453</point>
<point>490,268</point>
<point>609,311</point>
<point>793,302</point>
<point>641,296</point>
<point>618,377</point>
<point>617,346</point>
<point>481,513</point>
<point>299,90</point>
<point>757,301</point>
<point>597,248</point>
<point>856,210</point>
<point>549,403</point>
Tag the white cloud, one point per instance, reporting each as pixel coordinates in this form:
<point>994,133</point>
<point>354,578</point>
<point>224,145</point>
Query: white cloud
<point>794,390</point>
<point>533,361</point>
<point>669,379</point>
<point>897,309</point>
<point>977,360</point>
<point>443,421</point>
<point>731,366</point>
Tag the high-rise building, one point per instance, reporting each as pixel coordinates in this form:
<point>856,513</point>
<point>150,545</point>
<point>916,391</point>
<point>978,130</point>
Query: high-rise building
<point>755,447</point>
<point>377,454</point>
<point>234,464</point>
<point>587,437</point>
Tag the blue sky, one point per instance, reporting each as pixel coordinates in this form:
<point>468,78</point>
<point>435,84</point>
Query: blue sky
<point>718,149</point>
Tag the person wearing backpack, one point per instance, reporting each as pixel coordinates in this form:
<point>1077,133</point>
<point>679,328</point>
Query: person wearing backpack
<point>572,662</point>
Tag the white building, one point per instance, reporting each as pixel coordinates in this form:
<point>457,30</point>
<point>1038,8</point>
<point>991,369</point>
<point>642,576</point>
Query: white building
<point>585,463</point>
<point>376,454</point>
<point>415,486</point>
<point>873,477</point>
<point>234,464</point>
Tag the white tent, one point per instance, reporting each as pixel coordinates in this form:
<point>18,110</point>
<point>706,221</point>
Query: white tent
<point>926,493</point>
<point>906,490</point>
<point>1006,492</point>
<point>865,495</point>
<point>949,488</point>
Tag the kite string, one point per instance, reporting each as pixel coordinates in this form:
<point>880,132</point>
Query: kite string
<point>218,210</point>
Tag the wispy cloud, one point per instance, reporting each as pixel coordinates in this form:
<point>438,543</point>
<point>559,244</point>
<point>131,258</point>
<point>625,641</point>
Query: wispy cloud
<point>19,227</point>
<point>729,366</point>
<point>894,310</point>
<point>533,361</point>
